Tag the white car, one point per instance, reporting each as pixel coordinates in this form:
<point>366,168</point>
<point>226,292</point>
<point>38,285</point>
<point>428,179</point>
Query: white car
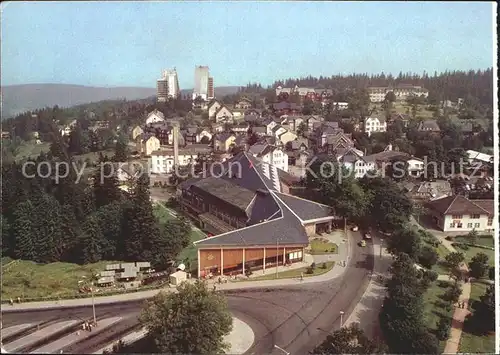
<point>368,236</point>
<point>355,228</point>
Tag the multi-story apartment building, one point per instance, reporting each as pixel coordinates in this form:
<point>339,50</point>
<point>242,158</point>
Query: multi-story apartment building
<point>163,161</point>
<point>167,86</point>
<point>201,82</point>
<point>375,124</point>
<point>211,89</point>
<point>402,92</point>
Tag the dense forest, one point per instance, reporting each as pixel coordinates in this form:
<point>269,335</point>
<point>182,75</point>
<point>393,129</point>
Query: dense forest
<point>475,87</point>
<point>46,220</point>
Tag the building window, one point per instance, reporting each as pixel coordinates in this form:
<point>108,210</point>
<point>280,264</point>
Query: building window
<point>490,221</point>
<point>452,225</point>
<point>474,216</point>
<point>469,225</point>
<point>459,225</point>
<point>457,216</point>
<point>477,225</point>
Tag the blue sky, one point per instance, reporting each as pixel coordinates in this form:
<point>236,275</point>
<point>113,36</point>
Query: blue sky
<point>129,43</point>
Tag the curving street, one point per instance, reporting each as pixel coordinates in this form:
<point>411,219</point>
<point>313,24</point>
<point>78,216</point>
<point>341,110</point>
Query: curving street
<point>296,318</point>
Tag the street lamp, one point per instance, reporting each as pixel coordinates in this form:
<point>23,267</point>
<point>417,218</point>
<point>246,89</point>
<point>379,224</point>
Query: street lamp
<point>381,246</point>
<point>277,256</point>
<point>93,298</point>
<point>283,350</point>
<point>341,316</point>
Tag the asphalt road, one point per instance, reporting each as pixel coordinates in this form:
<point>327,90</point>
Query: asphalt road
<point>296,318</point>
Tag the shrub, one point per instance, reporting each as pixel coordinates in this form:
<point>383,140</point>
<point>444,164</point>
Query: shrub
<point>310,270</point>
<point>323,266</point>
<point>428,256</point>
<point>449,238</point>
<point>443,328</point>
<point>313,266</point>
<point>443,284</point>
<point>491,273</point>
<point>479,265</point>
<point>431,275</point>
<point>453,293</point>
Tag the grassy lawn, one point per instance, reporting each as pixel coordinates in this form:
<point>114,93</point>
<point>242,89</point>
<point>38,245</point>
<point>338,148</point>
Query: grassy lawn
<point>323,246</point>
<point>434,307</point>
<point>31,150</point>
<point>470,343</point>
<point>487,241</point>
<point>290,274</point>
<point>27,279</point>
<point>472,251</point>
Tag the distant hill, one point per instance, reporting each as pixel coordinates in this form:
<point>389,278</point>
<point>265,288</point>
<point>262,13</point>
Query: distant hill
<point>20,98</point>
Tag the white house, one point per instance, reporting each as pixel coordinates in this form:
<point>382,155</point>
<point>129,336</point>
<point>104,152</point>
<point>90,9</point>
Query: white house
<point>270,154</point>
<point>375,124</point>
<point>478,157</point>
<point>340,105</point>
<point>223,114</point>
<point>355,162</point>
<point>269,127</point>
<point>162,161</point>
<point>415,166</point>
<point>213,106</point>
<point>154,117</point>
<point>203,133</point>
<point>459,214</point>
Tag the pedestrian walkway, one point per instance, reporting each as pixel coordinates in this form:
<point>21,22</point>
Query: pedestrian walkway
<point>335,272</point>
<point>241,338</point>
<point>127,339</point>
<point>457,324</point>
<point>63,342</point>
<point>366,312</point>
<point>38,335</point>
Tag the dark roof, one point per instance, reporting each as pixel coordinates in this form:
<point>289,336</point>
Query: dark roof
<point>429,125</point>
<point>259,129</point>
<point>225,190</point>
<point>306,210</point>
<point>459,205</point>
<point>385,156</point>
<point>284,227</point>
<point>223,136</point>
<point>269,211</point>
<point>285,106</point>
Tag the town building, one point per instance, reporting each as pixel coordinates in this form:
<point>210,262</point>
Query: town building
<point>213,106</point>
<point>223,114</point>
<point>243,104</point>
<point>374,125</point>
<point>155,117</point>
<point>459,214</point>
<point>136,132</point>
<point>147,143</point>
<point>201,83</point>
<point>430,126</point>
<point>167,86</point>
<point>270,154</point>
<point>223,141</point>
<point>256,223</point>
<point>478,157</point>
<point>401,91</point>
<point>211,88</point>
<point>163,161</point>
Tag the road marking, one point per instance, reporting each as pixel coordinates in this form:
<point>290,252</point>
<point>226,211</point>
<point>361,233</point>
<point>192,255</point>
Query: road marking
<point>71,338</point>
<point>32,338</point>
<point>6,332</point>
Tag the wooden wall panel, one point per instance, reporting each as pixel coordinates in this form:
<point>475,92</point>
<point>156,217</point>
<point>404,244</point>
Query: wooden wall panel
<point>209,258</point>
<point>232,257</point>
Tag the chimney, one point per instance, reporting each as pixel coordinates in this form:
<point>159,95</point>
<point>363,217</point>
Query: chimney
<point>176,143</point>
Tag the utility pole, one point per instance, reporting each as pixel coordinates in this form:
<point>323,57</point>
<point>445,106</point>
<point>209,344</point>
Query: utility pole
<point>341,315</point>
<point>277,257</point>
<point>93,302</point>
<point>381,246</point>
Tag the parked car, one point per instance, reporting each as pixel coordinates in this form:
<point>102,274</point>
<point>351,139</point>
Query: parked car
<point>362,243</point>
<point>355,228</point>
<point>368,236</point>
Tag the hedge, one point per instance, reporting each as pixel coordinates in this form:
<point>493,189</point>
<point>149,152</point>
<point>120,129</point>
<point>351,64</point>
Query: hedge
<point>473,245</point>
